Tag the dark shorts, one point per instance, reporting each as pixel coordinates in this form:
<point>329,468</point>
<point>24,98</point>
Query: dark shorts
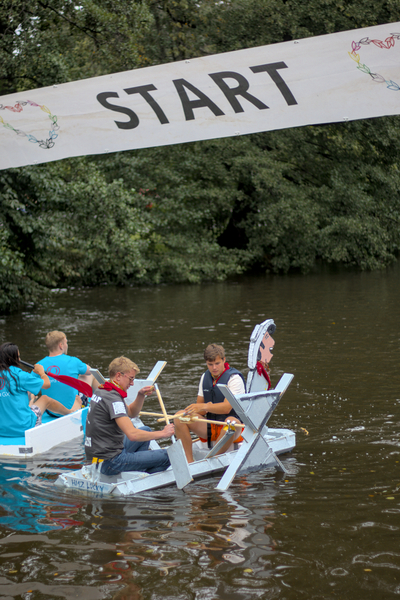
<point>216,430</point>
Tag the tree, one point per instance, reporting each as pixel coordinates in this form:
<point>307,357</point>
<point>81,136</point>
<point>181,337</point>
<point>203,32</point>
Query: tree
<point>273,201</point>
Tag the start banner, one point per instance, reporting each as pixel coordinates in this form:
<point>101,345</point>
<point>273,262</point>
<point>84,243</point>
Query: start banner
<point>332,78</point>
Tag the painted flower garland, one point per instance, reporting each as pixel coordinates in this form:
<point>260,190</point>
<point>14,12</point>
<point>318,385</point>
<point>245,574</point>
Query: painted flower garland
<point>386,44</point>
<point>17,108</point>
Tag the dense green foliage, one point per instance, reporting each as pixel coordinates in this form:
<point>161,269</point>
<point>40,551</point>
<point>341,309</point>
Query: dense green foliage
<point>272,201</point>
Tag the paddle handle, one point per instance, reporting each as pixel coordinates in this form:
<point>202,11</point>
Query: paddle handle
<point>160,400</point>
<point>26,364</point>
<point>236,425</point>
<point>164,412</point>
<point>151,414</point>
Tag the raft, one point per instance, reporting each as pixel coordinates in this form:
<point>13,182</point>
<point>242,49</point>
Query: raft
<point>280,441</point>
<point>52,432</point>
<point>260,448</point>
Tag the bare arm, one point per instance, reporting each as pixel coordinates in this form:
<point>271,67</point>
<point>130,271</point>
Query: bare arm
<point>136,406</point>
<point>39,370</point>
<point>235,384</point>
<point>138,435</point>
<point>201,407</point>
<point>89,378</point>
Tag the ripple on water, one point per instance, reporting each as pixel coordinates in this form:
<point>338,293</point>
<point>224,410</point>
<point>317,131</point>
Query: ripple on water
<point>326,529</point>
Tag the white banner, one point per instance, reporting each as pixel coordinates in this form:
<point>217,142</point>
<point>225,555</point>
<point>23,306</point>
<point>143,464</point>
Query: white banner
<point>333,78</point>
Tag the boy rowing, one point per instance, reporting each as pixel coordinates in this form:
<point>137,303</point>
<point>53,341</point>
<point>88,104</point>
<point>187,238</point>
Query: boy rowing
<point>211,403</point>
<point>58,362</point>
<point>111,437</point>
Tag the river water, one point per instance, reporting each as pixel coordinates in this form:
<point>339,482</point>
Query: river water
<point>329,529</point>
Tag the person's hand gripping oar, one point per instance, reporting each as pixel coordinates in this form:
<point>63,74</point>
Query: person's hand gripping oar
<point>176,452</point>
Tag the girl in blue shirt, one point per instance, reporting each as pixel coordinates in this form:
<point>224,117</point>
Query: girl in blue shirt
<point>17,413</point>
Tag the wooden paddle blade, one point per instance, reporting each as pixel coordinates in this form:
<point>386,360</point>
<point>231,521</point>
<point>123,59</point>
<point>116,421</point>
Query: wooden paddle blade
<point>77,384</point>
<point>179,464</point>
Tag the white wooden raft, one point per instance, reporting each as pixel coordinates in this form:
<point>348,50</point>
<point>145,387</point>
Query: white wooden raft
<point>51,433</point>
<point>259,450</point>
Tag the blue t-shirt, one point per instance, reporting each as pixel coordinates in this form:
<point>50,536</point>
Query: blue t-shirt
<point>63,365</point>
<point>16,416</point>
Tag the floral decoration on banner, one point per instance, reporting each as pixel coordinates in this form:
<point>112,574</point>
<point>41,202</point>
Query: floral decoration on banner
<point>386,44</point>
<point>17,108</point>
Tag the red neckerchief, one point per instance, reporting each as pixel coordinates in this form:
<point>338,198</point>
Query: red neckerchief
<point>111,386</point>
<point>226,365</point>
<point>262,371</point>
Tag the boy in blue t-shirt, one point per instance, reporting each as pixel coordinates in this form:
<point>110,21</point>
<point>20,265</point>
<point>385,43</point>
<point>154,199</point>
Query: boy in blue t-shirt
<point>59,363</point>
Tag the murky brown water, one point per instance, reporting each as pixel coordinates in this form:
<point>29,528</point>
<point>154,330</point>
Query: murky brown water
<point>328,530</point>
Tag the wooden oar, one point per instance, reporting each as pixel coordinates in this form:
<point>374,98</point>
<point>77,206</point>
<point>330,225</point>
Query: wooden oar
<point>77,384</point>
<point>176,452</point>
<point>199,420</point>
<point>166,417</point>
<point>150,414</point>
<point>177,415</point>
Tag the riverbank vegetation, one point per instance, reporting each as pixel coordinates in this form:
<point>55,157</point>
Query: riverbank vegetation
<point>203,211</point>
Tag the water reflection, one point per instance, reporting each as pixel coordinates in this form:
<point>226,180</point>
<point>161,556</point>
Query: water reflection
<point>23,509</point>
<point>180,540</point>
<point>327,529</point>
